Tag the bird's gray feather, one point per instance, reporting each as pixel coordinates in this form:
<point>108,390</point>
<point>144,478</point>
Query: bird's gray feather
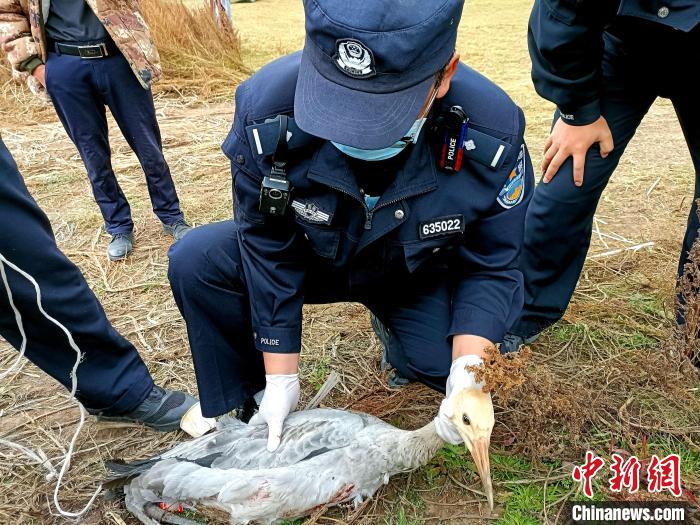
<point>325,457</point>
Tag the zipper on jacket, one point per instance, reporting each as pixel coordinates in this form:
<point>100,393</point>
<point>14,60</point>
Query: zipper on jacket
<point>361,200</point>
<point>368,219</point>
<point>389,203</point>
<point>369,214</point>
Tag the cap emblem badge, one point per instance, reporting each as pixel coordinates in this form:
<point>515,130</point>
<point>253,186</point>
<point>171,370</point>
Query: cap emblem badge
<point>354,58</point>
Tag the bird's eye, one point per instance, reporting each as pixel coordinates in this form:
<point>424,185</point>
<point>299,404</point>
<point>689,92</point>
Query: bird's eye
<point>465,419</point>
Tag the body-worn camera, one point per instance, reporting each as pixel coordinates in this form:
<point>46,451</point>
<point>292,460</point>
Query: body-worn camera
<point>274,195</point>
<point>456,125</point>
<point>276,190</point>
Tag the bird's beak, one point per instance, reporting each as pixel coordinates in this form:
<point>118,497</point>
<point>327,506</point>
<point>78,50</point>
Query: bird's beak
<point>480,453</point>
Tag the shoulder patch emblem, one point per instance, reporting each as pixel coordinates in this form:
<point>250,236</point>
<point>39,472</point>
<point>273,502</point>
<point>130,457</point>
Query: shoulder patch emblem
<point>310,212</point>
<point>514,189</point>
<point>354,58</point>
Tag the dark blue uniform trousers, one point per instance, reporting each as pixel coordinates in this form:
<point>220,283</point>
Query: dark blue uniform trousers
<point>80,89</point>
<point>112,378</point>
<point>209,287</point>
<point>559,221</point>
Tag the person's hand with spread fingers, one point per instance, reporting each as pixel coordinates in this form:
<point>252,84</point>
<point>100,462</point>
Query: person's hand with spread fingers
<point>372,167</point>
<point>567,140</point>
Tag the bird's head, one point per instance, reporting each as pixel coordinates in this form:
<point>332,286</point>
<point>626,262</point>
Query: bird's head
<point>472,416</point>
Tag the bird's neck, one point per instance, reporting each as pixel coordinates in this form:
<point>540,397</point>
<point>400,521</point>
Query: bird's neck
<point>417,447</point>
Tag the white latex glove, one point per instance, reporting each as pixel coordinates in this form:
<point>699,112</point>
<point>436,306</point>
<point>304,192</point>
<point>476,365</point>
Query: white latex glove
<point>459,379</point>
<point>280,398</point>
<point>195,424</point>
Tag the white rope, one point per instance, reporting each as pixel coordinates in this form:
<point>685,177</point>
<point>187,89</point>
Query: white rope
<point>18,319</point>
<point>74,378</point>
<point>37,456</point>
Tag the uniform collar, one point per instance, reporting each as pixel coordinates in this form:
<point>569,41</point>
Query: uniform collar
<point>417,174</point>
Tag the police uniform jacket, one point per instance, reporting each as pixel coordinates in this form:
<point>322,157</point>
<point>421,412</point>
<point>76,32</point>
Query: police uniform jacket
<point>469,224</point>
<point>567,39</point>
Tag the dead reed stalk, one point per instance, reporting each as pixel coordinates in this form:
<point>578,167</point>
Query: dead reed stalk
<point>197,54</point>
<point>685,341</point>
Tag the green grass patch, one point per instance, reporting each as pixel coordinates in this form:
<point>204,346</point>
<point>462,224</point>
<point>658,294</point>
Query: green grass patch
<point>566,332</point>
<point>523,503</point>
<point>634,340</point>
<point>612,335</point>
<point>662,446</point>
<point>648,303</point>
<point>320,373</point>
<point>400,518</point>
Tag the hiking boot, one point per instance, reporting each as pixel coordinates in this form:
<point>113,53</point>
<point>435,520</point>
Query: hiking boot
<point>161,410</point>
<point>120,246</point>
<point>177,229</point>
<point>513,343</point>
<point>394,379</point>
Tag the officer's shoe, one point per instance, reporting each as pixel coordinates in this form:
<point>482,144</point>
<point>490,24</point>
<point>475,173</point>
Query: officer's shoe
<point>162,410</point>
<point>513,343</point>
<point>177,229</point>
<point>120,246</point>
<point>394,379</point>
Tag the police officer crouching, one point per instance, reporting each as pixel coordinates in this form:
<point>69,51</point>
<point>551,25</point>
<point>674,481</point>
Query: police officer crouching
<point>373,167</point>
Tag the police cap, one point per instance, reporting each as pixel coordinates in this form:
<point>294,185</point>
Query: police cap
<point>368,66</point>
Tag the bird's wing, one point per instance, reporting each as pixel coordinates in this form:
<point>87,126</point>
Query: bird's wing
<point>306,434</point>
<point>326,457</point>
<point>258,496</point>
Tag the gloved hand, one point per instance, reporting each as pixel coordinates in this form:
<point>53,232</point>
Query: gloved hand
<point>459,378</point>
<point>280,398</point>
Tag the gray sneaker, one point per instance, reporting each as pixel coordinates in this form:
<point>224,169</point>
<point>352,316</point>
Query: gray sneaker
<point>177,229</point>
<point>512,342</point>
<point>120,246</point>
<point>161,410</point>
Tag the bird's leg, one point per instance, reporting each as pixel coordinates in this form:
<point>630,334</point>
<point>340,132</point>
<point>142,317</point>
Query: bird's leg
<point>164,516</point>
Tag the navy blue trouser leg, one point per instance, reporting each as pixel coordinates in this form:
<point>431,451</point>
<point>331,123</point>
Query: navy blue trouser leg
<point>80,90</point>
<point>688,111</point>
<point>418,317</point>
<point>207,281</point>
<point>206,277</point>
<point>80,107</point>
<point>112,377</point>
<point>559,220</point>
<point>133,110</point>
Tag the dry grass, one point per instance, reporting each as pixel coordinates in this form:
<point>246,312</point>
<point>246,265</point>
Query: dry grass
<point>197,55</point>
<point>601,373</point>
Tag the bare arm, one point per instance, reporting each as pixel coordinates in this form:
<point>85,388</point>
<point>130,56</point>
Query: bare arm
<point>281,363</point>
<point>469,345</point>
